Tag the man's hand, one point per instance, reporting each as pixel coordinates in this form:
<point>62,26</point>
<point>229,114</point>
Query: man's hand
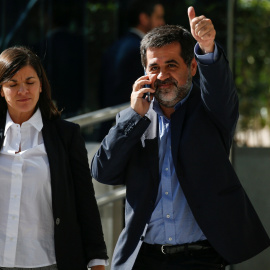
<point>202,30</point>
<point>98,267</point>
<point>137,102</point>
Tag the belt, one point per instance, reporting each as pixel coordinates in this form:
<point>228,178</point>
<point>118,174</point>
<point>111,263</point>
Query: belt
<point>173,249</point>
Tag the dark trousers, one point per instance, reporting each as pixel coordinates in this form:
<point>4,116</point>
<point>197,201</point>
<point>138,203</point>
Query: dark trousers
<point>205,259</point>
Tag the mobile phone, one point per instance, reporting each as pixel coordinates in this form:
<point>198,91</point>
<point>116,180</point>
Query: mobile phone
<point>148,93</point>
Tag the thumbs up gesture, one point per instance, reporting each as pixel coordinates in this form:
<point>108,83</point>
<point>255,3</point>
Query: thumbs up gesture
<point>202,30</point>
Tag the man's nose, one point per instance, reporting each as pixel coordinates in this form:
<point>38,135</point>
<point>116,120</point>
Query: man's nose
<point>163,75</point>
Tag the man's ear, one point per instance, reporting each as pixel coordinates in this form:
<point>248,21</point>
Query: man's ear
<point>193,66</point>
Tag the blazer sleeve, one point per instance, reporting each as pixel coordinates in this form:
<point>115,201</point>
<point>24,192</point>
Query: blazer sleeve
<point>86,205</point>
<point>219,92</point>
<point>109,163</point>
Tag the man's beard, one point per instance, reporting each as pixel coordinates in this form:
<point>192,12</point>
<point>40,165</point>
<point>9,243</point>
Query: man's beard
<point>177,93</point>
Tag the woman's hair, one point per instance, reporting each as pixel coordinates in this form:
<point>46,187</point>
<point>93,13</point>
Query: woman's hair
<point>11,61</point>
<point>167,34</point>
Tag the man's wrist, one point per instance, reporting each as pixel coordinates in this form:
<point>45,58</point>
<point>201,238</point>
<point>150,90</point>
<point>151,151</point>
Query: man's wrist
<point>208,58</point>
<point>208,49</point>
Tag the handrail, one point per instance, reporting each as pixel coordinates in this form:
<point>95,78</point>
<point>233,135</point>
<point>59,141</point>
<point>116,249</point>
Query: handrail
<point>111,196</point>
<point>98,116</point>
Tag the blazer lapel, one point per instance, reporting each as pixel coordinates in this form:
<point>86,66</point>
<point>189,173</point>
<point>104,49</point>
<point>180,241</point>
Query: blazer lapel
<point>177,123</point>
<point>2,130</point>
<point>51,143</point>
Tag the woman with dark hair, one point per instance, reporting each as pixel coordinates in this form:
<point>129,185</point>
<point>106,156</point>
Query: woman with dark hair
<point>49,215</point>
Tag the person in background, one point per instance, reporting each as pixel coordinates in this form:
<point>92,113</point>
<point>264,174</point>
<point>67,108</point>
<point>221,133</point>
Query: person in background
<point>121,63</point>
<point>49,215</point>
<point>64,57</point>
<point>185,206</point>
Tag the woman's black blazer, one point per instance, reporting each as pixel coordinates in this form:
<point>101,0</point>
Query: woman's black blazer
<point>77,227</point>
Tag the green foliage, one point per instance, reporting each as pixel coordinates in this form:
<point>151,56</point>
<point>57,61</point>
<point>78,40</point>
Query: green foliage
<point>252,62</point>
<point>94,7</point>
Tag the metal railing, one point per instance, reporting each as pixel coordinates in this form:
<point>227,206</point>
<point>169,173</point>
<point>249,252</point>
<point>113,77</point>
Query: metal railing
<point>98,116</point>
<point>111,196</point>
<point>94,118</point>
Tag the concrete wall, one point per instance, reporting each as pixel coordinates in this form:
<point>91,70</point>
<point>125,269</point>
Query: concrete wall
<point>252,165</point>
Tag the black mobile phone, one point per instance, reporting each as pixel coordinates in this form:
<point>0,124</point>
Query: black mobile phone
<point>148,93</point>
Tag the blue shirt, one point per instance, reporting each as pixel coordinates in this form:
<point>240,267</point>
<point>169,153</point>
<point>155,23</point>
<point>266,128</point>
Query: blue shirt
<point>172,221</point>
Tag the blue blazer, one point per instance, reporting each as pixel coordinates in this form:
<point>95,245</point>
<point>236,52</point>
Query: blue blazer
<point>202,132</point>
<point>78,233</point>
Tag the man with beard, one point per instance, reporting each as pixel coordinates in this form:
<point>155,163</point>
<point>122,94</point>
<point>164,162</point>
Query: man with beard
<point>185,207</point>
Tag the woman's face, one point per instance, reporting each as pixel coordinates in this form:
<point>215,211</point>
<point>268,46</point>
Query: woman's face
<point>22,94</point>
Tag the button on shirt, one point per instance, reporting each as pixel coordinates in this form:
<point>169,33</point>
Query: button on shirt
<point>26,224</point>
<point>172,221</point>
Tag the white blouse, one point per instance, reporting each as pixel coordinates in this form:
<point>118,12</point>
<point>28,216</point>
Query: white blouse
<point>26,223</point>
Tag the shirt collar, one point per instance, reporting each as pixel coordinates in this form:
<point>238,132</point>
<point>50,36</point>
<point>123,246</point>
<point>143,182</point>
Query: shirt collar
<point>138,32</point>
<point>158,110</point>
<point>35,121</point>
<point>9,123</point>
